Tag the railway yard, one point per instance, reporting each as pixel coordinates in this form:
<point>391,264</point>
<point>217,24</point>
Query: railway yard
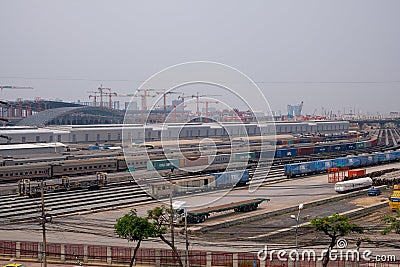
<point>79,214</point>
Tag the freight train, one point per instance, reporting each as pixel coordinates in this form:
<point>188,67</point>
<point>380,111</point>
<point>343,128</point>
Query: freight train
<point>26,188</point>
<point>321,166</point>
<point>44,170</point>
<point>204,183</point>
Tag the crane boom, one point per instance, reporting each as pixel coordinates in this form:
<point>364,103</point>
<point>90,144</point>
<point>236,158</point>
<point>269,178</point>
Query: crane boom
<point>14,87</point>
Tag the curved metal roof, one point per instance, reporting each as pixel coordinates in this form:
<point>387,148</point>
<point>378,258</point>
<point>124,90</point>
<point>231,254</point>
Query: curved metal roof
<point>48,116</point>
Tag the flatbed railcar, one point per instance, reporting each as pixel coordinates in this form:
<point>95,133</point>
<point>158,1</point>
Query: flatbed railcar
<point>201,215</point>
<point>203,183</point>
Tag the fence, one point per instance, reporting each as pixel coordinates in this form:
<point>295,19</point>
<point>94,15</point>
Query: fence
<point>116,255</point>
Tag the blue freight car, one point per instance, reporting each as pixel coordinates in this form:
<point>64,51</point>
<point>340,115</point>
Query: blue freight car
<point>286,152</point>
<point>338,148</point>
<point>231,178</point>
<point>323,165</point>
<point>322,149</point>
<point>301,168</point>
<point>351,146</point>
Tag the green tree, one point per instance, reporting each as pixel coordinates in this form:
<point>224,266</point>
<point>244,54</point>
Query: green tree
<point>160,218</point>
<point>334,226</point>
<point>134,229</point>
<point>394,224</point>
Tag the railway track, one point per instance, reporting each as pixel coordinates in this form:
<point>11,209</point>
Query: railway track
<point>18,209</point>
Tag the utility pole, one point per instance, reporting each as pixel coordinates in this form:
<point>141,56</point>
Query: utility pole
<point>171,217</point>
<point>45,218</point>
<point>186,239</point>
<point>43,222</point>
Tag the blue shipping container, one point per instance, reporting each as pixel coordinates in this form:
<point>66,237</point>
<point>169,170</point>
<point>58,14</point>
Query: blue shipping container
<point>322,165</point>
<point>353,161</point>
<point>351,146</point>
<point>286,152</point>
<point>298,168</point>
<point>322,149</point>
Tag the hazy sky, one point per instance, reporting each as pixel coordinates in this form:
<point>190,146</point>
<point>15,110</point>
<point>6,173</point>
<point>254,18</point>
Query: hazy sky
<point>333,54</point>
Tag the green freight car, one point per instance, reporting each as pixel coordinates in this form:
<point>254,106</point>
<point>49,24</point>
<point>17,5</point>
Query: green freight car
<point>163,164</point>
<point>243,157</point>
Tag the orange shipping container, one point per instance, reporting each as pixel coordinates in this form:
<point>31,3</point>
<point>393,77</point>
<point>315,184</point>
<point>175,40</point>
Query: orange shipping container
<point>357,173</point>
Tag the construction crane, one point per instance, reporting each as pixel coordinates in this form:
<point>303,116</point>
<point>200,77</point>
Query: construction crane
<point>165,97</point>
<point>144,93</point>
<point>101,90</point>
<point>110,94</point>
<point>197,96</point>
<point>14,87</point>
<point>94,95</point>
<point>207,102</point>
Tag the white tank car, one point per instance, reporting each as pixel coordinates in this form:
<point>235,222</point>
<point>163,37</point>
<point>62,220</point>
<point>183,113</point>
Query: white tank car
<point>352,185</point>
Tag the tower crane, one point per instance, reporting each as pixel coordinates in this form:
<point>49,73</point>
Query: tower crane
<point>165,97</point>
<point>94,96</point>
<point>207,102</point>
<point>14,87</point>
<point>110,94</point>
<point>197,96</point>
<point>101,90</point>
<point>144,93</point>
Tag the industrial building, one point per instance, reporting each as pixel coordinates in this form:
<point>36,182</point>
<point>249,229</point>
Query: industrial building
<point>137,132</point>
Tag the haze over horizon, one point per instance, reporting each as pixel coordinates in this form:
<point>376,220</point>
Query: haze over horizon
<point>332,54</point>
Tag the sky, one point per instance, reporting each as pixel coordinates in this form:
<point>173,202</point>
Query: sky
<point>336,55</point>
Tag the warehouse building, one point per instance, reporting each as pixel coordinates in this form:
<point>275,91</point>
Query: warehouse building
<point>137,132</point>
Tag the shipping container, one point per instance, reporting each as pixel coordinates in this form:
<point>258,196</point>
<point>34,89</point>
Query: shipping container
<point>286,152</point>
<point>353,161</point>
<point>218,159</point>
<point>316,139</point>
<point>360,145</point>
<point>367,144</point>
<point>163,164</point>
<point>338,148</point>
<point>396,154</point>
<point>194,161</point>
<point>305,150</point>
<point>373,142</point>
<point>364,160</point>
<point>357,173</point>
<point>351,146</point>
<point>322,149</point>
<point>302,168</point>
<point>341,162</point>
<point>322,165</point>
<point>242,157</point>
<point>227,179</point>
